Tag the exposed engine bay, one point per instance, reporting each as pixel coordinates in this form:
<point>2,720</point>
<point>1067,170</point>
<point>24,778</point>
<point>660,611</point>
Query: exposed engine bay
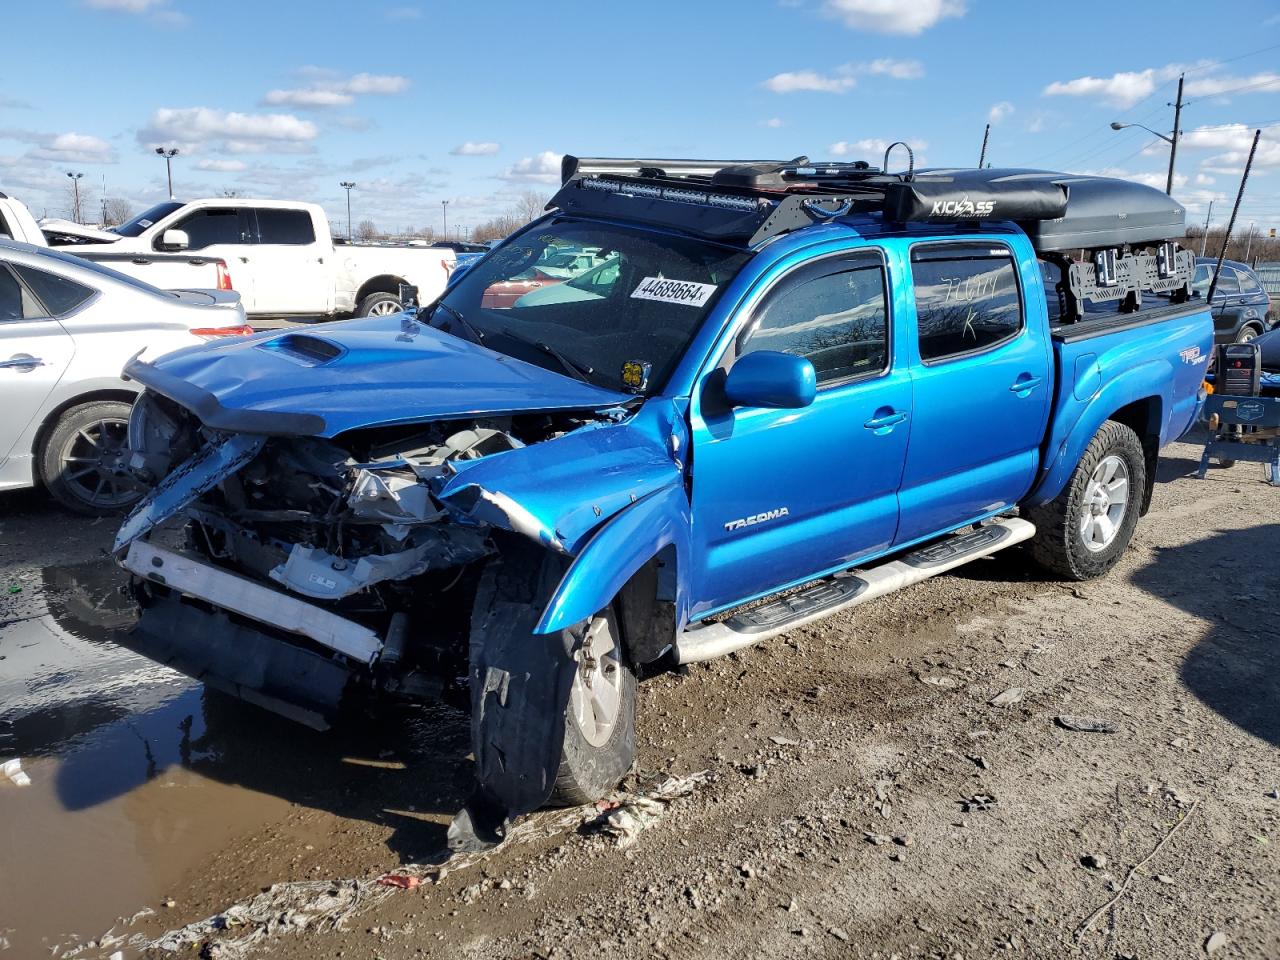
<point>352,524</point>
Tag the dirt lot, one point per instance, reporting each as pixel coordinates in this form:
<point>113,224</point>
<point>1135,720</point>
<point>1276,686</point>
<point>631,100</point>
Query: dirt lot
<point>865,798</point>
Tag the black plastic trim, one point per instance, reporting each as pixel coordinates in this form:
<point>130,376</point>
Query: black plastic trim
<point>1114,323</point>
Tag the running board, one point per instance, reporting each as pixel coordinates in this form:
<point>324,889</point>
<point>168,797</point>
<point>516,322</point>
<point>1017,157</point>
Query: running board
<point>706,641</point>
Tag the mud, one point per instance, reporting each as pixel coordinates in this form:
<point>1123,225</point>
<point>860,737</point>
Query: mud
<point>857,808</point>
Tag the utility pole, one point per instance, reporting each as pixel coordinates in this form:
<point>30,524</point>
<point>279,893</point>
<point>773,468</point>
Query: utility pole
<point>1226,239</point>
<point>347,185</point>
<point>444,205</point>
<point>1173,142</point>
<point>1204,240</point>
<point>168,155</point>
<point>104,200</point>
<point>982,157</point>
<point>1248,245</point>
<point>75,181</point>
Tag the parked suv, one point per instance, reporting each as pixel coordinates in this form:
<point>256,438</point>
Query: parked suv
<point>1242,308</point>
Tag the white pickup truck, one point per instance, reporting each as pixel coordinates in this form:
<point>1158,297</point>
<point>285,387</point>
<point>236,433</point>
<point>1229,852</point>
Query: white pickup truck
<point>283,256</point>
<point>168,271</point>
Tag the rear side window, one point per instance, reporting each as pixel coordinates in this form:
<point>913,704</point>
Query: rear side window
<point>834,315</point>
<point>1248,284</point>
<point>290,227</point>
<point>5,230</point>
<point>967,299</point>
<point>58,294</point>
<point>211,226</point>
<point>16,301</point>
<point>1228,285</point>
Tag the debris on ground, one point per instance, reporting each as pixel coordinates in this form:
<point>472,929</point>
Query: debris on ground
<point>947,683</point>
<point>12,769</point>
<point>625,816</point>
<point>1085,724</point>
<point>978,802</point>
<point>1007,698</point>
<point>784,742</point>
<point>1217,940</point>
<point>401,880</point>
<point>1094,861</point>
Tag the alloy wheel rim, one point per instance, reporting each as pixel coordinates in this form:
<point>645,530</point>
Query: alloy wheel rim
<point>93,464</point>
<point>595,699</point>
<point>1106,499</point>
<point>385,308</point>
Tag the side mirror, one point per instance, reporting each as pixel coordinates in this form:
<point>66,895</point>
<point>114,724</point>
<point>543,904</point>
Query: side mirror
<point>175,240</point>
<point>771,379</point>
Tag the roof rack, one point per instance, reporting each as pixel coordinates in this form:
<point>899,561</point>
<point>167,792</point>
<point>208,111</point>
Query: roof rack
<point>752,201</point>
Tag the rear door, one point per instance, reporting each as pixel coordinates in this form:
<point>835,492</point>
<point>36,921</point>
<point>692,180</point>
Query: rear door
<point>290,275</point>
<point>981,381</point>
<point>34,354</point>
<point>783,495</point>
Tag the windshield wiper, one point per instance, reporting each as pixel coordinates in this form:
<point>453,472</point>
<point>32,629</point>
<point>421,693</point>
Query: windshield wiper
<point>474,333</point>
<point>575,368</point>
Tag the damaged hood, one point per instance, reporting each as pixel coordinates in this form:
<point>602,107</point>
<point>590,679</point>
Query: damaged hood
<point>375,371</point>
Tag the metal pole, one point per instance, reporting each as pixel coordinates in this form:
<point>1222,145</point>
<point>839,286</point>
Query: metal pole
<point>983,155</point>
<point>168,169</point>
<point>1173,143</point>
<point>1204,240</point>
<point>347,185</point>
<point>444,204</point>
<point>1244,178</point>
<point>1249,241</point>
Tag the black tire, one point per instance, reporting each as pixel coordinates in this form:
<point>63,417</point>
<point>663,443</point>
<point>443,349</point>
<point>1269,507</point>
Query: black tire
<point>375,303</point>
<point>98,429</point>
<point>509,599</point>
<point>1059,544</point>
<point>1247,333</point>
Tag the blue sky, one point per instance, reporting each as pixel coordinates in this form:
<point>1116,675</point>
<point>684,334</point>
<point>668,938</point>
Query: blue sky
<point>473,102</point>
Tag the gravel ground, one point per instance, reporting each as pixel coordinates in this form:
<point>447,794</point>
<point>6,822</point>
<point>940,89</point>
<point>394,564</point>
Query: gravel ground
<point>900,782</point>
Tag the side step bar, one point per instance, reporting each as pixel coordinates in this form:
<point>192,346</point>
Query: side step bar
<point>706,641</point>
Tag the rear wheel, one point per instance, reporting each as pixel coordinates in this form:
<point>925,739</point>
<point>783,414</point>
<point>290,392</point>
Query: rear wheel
<point>1082,533</point>
<point>379,305</point>
<point>84,458</point>
<point>1247,332</point>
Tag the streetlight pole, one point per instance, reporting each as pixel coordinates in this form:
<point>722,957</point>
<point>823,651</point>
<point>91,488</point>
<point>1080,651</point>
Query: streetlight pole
<point>347,185</point>
<point>1204,240</point>
<point>168,155</point>
<point>1172,141</point>
<point>75,182</point>
<point>444,205</point>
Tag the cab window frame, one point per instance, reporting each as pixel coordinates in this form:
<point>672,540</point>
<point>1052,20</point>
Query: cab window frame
<point>830,264</point>
<point>918,253</point>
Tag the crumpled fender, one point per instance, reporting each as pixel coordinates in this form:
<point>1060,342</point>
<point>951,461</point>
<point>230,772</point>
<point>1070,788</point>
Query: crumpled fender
<point>616,552</point>
<point>560,491</point>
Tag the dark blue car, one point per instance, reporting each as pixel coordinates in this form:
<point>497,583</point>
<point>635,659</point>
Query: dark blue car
<point>1241,307</point>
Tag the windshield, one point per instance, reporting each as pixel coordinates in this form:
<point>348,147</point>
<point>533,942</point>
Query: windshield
<point>134,227</point>
<point>622,310</point>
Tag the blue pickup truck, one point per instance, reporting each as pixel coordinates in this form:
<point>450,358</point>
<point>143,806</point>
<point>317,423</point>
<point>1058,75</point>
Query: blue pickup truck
<point>783,389</point>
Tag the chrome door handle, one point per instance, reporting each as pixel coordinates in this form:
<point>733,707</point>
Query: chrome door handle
<point>1025,384</point>
<point>885,420</point>
<point>22,360</point>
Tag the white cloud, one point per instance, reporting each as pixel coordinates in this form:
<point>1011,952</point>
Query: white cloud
<point>542,168</point>
<point>1204,180</point>
<point>191,128</point>
<point>222,166</point>
<point>773,123</point>
<point>1120,89</point>
<point>1217,85</point>
<point>484,148</point>
<point>844,78</point>
<point>871,149</point>
<point>893,16</point>
<point>1233,141</point>
<point>62,147</point>
<point>330,90</point>
<point>999,112</point>
<point>124,6</point>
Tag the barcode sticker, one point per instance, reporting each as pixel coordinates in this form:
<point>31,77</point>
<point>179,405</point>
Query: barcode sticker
<point>674,291</point>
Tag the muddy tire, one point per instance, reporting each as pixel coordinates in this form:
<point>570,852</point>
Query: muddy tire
<point>82,459</point>
<point>1082,533</point>
<point>590,743</point>
<point>379,304</point>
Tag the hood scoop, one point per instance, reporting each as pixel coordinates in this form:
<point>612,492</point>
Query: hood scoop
<point>304,348</point>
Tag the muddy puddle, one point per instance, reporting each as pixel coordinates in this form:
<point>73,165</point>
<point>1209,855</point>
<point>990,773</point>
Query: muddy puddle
<point>140,777</point>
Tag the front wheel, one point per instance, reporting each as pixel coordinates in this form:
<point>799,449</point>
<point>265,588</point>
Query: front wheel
<point>379,305</point>
<point>1082,533</point>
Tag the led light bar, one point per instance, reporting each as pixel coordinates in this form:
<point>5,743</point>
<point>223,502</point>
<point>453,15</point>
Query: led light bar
<point>704,198</point>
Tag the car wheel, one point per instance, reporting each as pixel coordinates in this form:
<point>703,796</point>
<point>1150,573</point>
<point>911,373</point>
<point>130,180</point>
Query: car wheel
<point>1246,333</point>
<point>379,305</point>
<point>1082,533</point>
<point>84,457</point>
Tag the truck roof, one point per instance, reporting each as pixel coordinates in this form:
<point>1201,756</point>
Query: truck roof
<point>750,202</point>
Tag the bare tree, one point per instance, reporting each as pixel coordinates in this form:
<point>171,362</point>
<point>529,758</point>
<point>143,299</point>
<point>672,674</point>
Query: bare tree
<point>367,230</point>
<point>115,210</point>
<point>497,228</point>
<point>530,205</point>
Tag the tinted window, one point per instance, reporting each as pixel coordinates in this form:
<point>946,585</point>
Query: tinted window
<point>16,303</point>
<point>207,227</point>
<point>285,226</point>
<point>1228,285</point>
<point>1248,283</point>
<point>58,294</point>
<point>966,299</point>
<point>147,218</point>
<point>835,317</point>
<point>4,227</point>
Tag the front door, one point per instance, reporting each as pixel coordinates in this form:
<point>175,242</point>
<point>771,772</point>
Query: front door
<point>981,383</point>
<point>783,495</point>
<point>289,272</point>
<point>222,233</point>
<point>34,354</point>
